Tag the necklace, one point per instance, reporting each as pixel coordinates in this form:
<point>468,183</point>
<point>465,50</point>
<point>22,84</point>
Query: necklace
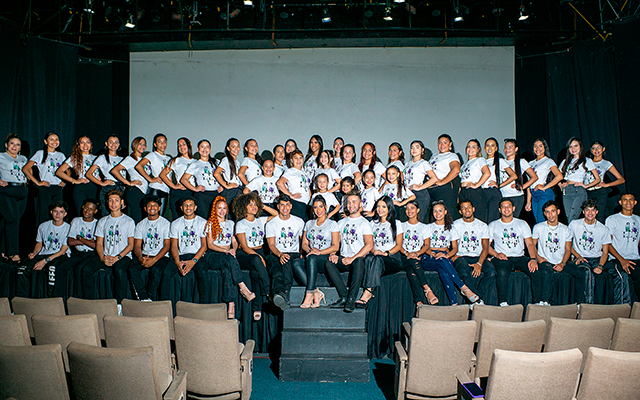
<point>553,228</point>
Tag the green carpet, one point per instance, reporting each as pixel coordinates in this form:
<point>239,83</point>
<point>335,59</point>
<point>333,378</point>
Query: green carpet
<point>266,385</point>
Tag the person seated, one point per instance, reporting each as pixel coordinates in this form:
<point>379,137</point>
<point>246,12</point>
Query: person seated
<point>625,228</point>
<point>36,277</point>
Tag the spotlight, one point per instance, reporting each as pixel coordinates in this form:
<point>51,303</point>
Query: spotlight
<point>524,15</point>
<point>458,17</point>
<point>398,1</point>
<point>387,14</point>
<point>325,15</point>
<point>248,3</point>
<point>130,23</point>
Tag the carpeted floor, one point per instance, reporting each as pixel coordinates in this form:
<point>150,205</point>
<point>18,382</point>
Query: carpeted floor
<point>266,385</point>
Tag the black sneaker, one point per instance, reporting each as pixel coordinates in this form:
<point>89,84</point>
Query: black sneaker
<point>280,301</point>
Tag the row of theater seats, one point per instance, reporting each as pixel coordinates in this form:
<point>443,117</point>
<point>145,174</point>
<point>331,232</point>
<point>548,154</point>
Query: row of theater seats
<point>94,353</point>
<point>540,358</point>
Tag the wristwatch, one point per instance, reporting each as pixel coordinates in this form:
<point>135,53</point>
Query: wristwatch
<point>195,260</point>
<point>119,257</point>
<point>47,260</point>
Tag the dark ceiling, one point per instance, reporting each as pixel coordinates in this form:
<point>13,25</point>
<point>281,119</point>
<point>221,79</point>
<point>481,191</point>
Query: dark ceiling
<point>141,25</point>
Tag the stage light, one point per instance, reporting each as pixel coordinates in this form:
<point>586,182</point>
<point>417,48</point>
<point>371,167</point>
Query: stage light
<point>524,15</point>
<point>248,3</point>
<point>458,17</point>
<point>325,15</point>
<point>387,14</point>
<point>130,23</point>
<point>398,1</point>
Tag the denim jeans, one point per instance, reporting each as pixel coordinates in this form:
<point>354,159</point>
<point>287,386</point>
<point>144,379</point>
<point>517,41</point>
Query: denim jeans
<point>447,273</point>
<point>573,197</point>
<point>538,198</point>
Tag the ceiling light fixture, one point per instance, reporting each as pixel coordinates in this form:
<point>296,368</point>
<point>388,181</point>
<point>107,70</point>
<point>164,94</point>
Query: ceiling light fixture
<point>524,15</point>
<point>387,14</point>
<point>325,15</point>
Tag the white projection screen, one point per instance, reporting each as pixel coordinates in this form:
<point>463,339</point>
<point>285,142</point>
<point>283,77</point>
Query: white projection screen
<point>361,94</point>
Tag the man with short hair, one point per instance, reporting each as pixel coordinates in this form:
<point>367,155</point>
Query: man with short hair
<point>624,228</point>
<point>356,242</point>
<point>283,235</point>
<point>510,236</point>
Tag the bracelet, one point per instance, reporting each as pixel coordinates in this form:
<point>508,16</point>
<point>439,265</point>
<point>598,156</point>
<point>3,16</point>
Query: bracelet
<point>600,266</point>
<point>47,260</point>
<point>533,259</point>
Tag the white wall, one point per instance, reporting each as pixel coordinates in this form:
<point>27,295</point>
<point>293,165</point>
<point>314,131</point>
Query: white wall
<point>362,94</point>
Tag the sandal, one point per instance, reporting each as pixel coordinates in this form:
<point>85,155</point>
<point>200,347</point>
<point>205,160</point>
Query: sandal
<point>231,310</point>
<point>246,293</point>
<point>308,300</point>
<point>470,295</point>
<point>318,297</point>
<point>364,303</point>
<point>433,300</point>
<point>257,315</point>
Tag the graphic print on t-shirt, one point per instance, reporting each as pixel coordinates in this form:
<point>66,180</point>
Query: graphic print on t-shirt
<point>114,235</point>
<point>552,243</point>
<point>510,238</point>
<point>349,234</point>
<point>317,240</point>
<point>381,236</point>
<point>630,233</point>
<point>411,241</point>
<point>268,192</point>
<point>287,238</point>
<point>256,238</point>
<point>465,173</point>
<point>439,239</point>
<point>153,240</point>
<point>587,240</point>
<point>469,242</point>
<point>86,232</point>
<point>189,237</point>
<point>51,243</point>
<point>207,175</point>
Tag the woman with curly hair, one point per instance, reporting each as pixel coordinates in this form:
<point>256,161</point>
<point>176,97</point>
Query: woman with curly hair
<point>250,234</point>
<point>79,163</point>
<point>369,160</point>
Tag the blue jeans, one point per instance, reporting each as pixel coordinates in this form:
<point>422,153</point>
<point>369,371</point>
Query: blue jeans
<point>447,273</point>
<point>538,198</point>
<point>573,197</point>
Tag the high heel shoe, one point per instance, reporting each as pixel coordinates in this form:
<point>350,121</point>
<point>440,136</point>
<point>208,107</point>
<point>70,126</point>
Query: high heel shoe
<point>318,297</point>
<point>470,295</point>
<point>308,300</point>
<point>247,294</point>
<point>365,303</point>
<point>433,300</point>
<point>231,311</point>
<point>257,315</point>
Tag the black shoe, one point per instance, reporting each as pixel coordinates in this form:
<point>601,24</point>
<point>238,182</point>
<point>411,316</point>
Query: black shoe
<point>281,301</point>
<point>339,304</point>
<point>350,306</point>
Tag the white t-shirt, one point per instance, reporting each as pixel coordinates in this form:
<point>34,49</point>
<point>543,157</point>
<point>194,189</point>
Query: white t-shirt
<point>48,169</point>
<point>383,237</point>
<point>52,237</point>
<point>416,172</point>
<point>337,161</point>
<point>87,162</point>
<point>347,170</point>
<point>589,239</point>
<point>440,238</point>
<point>129,165</point>
<point>369,198</point>
<point>471,171</point>
<point>577,174</point>
<point>319,237</point>
<point>378,169</point>
<point>267,188</point>
<point>470,235</point>
<point>440,163</point>
<point>551,241</point>
<point>11,168</point>
<point>179,167</point>
<point>602,167</point>
<point>226,171</point>
<point>391,190</point>
<point>106,166</point>
<point>298,182</point>
<point>86,230</point>
<point>508,191</point>
<point>153,235</point>
<point>332,176</point>
<point>226,236</point>
<point>328,197</point>
<point>310,166</point>
<point>502,171</point>
<point>287,233</point>
<point>352,231</point>
<point>414,236</point>
<point>624,231</point>
<point>279,170</point>
<point>397,164</point>
<point>253,170</point>
<point>253,231</point>
<point>188,232</point>
<point>154,167</point>
<point>508,239</point>
<point>542,168</point>
<point>202,171</point>
<point>116,233</point>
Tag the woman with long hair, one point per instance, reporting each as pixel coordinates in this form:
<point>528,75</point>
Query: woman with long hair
<point>520,166</point>
<point>574,169</point>
<point>396,156</point>
<point>549,176</point>
<point>227,172</point>
<point>204,185</point>
<point>312,159</point>
<point>177,166</point>
<point>47,160</point>
<point>296,184</point>
<point>74,171</point>
<point>442,245</point>
<point>446,165</point>
<point>251,163</point>
<point>369,160</point>
<point>473,174</point>
<point>137,186</point>
<point>320,239</point>
<point>419,177</point>
<point>105,180</point>
<point>348,167</point>
<point>338,143</point>
<point>152,165</point>
<point>279,160</point>
<point>501,175</point>
<point>600,192</point>
<point>13,198</point>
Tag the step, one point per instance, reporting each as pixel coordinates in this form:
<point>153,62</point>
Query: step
<point>310,343</point>
<point>324,369</point>
<point>296,296</point>
<point>317,319</point>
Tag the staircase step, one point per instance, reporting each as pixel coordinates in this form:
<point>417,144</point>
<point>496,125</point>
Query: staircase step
<point>296,296</point>
<point>314,344</point>
<point>325,369</point>
<point>318,319</point>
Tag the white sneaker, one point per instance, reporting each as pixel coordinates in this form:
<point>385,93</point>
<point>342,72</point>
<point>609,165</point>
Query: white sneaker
<point>504,304</point>
<point>120,310</point>
<point>146,300</point>
<point>543,303</point>
<point>477,303</point>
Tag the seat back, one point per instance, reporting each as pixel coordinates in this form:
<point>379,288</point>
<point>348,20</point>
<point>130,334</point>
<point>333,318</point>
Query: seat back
<point>513,336</point>
<point>5,307</point>
<point>548,376</point>
<point>564,334</point>
<point>101,373</point>
<point>135,308</point>
<point>130,332</point>
<point>100,308</point>
<point>495,313</point>
<point>537,311</point>
<point>448,313</point>
<point>635,310</point>
<point>626,335</point>
<point>209,352</point>
<point>50,329</point>
<point>599,311</point>
<point>610,374</point>
<point>14,331</point>
<point>207,312</point>
<point>32,372</point>
<point>438,350</point>
<point>29,307</point>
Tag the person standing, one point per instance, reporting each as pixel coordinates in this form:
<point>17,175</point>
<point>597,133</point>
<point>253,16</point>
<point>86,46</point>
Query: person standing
<point>601,191</point>
<point>172,174</point>
<point>501,175</point>
<point>541,191</point>
<point>150,168</point>
<point>446,166</point>
<point>136,185</point>
<point>520,166</point>
<point>79,162</point>
<point>204,185</point>
<point>227,173</point>
<point>574,168</point>
<point>418,177</point>
<point>100,172</point>
<point>296,184</point>
<point>473,174</point>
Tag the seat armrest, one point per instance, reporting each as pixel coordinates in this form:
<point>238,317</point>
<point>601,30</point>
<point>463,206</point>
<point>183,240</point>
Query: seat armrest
<point>463,377</point>
<point>178,388</point>
<point>406,334</point>
<point>246,369</point>
<point>400,384</point>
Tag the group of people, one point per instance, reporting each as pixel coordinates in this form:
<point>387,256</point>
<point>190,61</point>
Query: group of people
<point>327,213</point>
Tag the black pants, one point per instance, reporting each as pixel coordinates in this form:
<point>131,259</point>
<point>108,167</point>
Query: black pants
<point>299,209</point>
<point>68,281</point>
<point>282,274</point>
<point>81,192</point>
<point>416,277</point>
<point>377,266</point>
<point>260,281</point>
<point>174,286</point>
<point>104,201</point>
<point>600,195</point>
<point>216,262</point>
<point>576,272</point>
<point>492,196</point>
<point>37,284</point>
<point>634,276</point>
<point>357,275</point>
<point>13,203</point>
<point>504,268</point>
<point>164,199</point>
<point>483,282</point>
<point>477,198</point>
<point>175,202</point>
<point>47,195</point>
<point>314,264</point>
<point>133,197</point>
<point>204,201</point>
<point>120,278</point>
<point>146,287</point>
<point>518,202</point>
<point>229,195</point>
<point>447,193</point>
<point>424,201</point>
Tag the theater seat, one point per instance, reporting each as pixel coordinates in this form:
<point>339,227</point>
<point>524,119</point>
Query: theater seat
<point>100,308</point>
<point>14,331</point>
<point>29,307</point>
<point>206,312</point>
<point>610,374</point>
